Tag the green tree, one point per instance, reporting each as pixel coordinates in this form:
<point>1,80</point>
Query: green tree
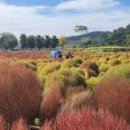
<point>105,39</point>
<point>81,29</point>
<point>47,41</point>
<point>128,29</point>
<point>39,42</point>
<point>62,41</point>
<point>8,41</point>
<point>23,41</point>
<point>54,42</point>
<point>31,41</point>
<point>118,37</point>
<point>128,39</point>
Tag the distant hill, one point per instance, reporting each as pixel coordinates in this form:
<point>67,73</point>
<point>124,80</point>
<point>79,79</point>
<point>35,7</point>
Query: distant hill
<point>117,37</point>
<point>88,36</point>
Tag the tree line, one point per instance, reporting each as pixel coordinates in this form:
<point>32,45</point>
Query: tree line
<point>10,41</point>
<point>120,37</point>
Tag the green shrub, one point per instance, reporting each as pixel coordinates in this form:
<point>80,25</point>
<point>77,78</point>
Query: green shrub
<point>40,66</point>
<point>43,71</point>
<point>71,63</point>
<point>115,62</point>
<point>125,61</point>
<point>119,71</point>
<point>65,78</point>
<point>92,82</point>
<point>104,67</point>
<point>101,74</point>
<point>91,68</point>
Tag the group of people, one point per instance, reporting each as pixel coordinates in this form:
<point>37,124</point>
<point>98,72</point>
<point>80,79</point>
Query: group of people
<point>58,54</point>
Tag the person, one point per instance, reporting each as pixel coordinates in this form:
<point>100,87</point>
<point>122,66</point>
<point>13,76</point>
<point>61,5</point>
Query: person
<point>56,54</point>
<point>69,55</point>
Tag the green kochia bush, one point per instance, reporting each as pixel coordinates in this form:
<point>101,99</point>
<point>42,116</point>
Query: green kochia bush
<point>104,67</point>
<point>119,71</point>
<point>65,78</point>
<point>92,82</point>
<point>71,63</point>
<point>91,69</point>
<point>115,62</point>
<point>56,89</point>
<point>44,70</point>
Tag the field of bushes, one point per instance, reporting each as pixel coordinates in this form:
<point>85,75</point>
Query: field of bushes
<point>88,92</point>
<point>108,49</point>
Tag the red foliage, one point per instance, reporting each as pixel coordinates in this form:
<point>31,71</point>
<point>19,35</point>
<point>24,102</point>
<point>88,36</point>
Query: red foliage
<point>24,55</point>
<point>52,99</point>
<point>19,92</point>
<point>47,126</point>
<point>114,94</point>
<point>2,123</point>
<point>86,119</point>
<point>19,125</point>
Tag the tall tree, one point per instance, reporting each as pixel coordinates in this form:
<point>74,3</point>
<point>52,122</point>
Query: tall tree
<point>47,41</point>
<point>128,40</point>
<point>118,37</point>
<point>128,29</point>
<point>31,41</point>
<point>54,42</point>
<point>8,41</point>
<point>81,29</point>
<point>23,41</point>
<point>39,42</point>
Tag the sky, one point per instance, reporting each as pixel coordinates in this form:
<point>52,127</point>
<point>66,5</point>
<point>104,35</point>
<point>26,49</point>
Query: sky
<point>59,17</point>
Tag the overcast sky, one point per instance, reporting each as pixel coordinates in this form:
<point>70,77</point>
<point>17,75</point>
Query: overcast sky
<point>58,17</point>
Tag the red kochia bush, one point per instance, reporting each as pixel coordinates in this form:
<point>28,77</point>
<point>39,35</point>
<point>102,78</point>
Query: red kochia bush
<point>114,94</point>
<point>2,123</point>
<point>19,125</point>
<point>52,100</point>
<point>19,92</point>
<point>86,119</point>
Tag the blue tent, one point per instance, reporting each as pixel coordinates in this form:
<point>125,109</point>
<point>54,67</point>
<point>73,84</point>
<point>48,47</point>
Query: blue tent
<point>55,53</point>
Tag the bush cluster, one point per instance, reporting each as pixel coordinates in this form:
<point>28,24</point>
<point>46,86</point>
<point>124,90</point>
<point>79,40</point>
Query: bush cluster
<point>86,119</point>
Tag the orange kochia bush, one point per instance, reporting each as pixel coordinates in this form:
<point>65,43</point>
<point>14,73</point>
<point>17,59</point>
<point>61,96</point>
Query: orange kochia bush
<point>114,94</point>
<point>52,100</point>
<point>86,119</point>
<point>19,92</point>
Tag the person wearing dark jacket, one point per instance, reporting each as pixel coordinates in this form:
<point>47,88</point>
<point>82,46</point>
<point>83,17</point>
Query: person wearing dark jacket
<point>69,55</point>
